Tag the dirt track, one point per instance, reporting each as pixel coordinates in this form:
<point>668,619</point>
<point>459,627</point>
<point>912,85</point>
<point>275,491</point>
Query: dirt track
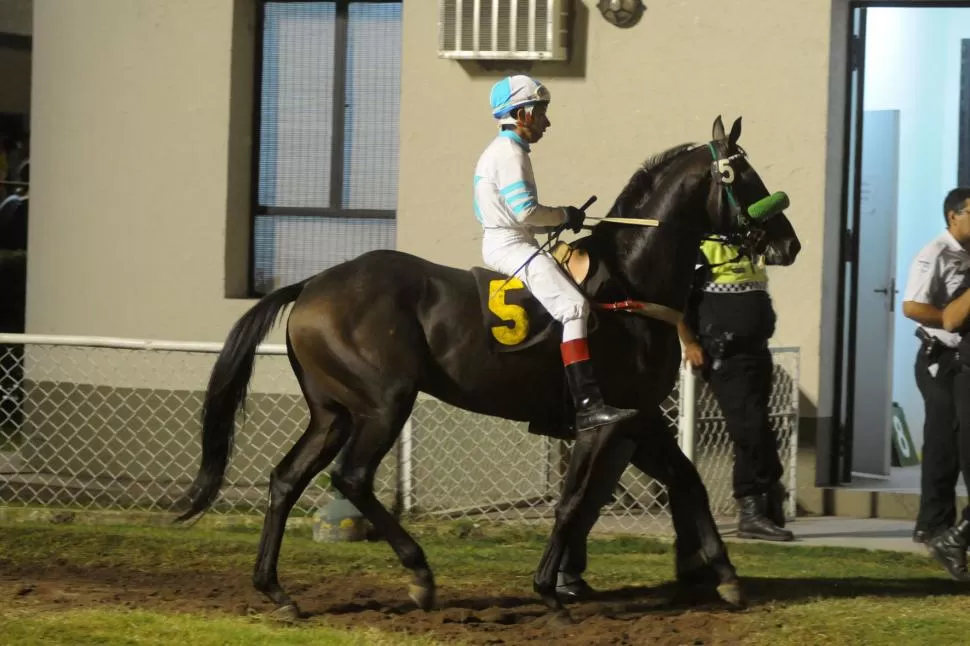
<point>478,616</point>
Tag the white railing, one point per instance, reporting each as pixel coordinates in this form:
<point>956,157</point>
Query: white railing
<point>97,422</point>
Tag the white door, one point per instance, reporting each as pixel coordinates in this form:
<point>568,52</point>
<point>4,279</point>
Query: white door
<point>876,294</point>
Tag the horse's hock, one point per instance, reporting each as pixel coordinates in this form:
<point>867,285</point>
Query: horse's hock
<point>118,428</point>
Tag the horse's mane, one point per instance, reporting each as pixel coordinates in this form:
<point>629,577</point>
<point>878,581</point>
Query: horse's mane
<point>645,180</point>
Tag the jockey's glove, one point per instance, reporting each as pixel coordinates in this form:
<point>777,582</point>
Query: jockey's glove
<point>574,218</point>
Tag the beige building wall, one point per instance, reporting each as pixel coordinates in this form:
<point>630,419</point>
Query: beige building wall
<point>140,166</point>
<point>141,144</point>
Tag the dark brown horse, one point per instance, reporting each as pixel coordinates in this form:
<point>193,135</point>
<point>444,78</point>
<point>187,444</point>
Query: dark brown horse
<point>364,337</point>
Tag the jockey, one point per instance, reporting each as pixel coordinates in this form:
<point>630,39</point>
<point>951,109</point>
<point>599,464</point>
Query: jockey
<point>507,206</point>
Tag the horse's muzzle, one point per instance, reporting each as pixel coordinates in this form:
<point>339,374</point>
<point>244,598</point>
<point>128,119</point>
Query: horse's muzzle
<point>783,252</point>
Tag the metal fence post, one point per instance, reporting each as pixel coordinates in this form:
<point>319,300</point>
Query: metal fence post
<point>407,483</point>
<point>687,417</point>
<point>795,376</point>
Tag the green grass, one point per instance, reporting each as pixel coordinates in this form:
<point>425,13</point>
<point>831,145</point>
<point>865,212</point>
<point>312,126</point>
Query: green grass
<point>800,595</point>
<point>493,555</point>
<point>934,620</point>
<point>135,628</point>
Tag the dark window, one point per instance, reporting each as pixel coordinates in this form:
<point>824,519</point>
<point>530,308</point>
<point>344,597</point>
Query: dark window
<point>329,82</point>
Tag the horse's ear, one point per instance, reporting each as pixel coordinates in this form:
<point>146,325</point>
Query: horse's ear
<point>717,133</point>
<point>735,132</point>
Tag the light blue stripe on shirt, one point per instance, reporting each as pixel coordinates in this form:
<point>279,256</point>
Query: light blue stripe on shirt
<point>518,197</point>
<point>523,206</point>
<point>521,184</point>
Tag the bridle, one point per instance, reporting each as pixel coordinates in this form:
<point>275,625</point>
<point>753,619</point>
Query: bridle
<point>746,236</point>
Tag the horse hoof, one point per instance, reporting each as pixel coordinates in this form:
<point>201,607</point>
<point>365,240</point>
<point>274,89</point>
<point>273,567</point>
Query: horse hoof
<point>574,591</point>
<point>423,596</point>
<point>288,613</point>
<point>732,594</point>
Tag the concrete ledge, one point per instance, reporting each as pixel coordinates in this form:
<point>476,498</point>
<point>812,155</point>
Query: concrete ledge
<point>831,531</point>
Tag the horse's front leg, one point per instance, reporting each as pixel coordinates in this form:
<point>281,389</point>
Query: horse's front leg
<point>702,558</point>
<point>589,466</point>
<point>570,585</point>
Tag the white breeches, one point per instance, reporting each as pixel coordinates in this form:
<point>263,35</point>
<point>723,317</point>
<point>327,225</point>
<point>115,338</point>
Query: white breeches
<point>552,288</point>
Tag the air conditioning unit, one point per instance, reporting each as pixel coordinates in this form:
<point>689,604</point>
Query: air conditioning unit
<point>532,30</point>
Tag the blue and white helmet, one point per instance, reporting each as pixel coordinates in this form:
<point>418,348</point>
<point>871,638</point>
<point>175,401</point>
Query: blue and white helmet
<point>515,92</point>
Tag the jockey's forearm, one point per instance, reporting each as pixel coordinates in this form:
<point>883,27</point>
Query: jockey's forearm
<point>544,216</point>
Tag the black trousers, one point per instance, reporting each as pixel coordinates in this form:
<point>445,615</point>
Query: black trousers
<point>941,453</point>
<point>742,387</point>
<point>961,392</point>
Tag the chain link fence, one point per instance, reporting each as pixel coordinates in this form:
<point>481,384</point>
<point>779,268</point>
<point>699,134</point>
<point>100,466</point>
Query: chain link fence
<point>114,424</point>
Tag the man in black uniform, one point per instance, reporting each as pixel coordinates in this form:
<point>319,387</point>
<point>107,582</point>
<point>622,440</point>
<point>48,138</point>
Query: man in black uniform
<point>725,333</point>
<point>949,547</point>
<point>935,277</point>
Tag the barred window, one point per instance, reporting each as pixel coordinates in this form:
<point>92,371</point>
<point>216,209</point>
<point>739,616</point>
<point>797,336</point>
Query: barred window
<point>329,84</point>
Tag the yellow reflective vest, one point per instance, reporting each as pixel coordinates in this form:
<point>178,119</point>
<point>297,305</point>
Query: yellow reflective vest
<point>728,267</point>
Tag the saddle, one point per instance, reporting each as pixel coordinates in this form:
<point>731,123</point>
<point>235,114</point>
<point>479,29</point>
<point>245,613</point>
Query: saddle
<point>515,320</point>
<point>513,317</point>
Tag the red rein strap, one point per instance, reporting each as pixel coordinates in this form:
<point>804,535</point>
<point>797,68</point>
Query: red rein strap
<point>622,306</point>
<point>651,310</point>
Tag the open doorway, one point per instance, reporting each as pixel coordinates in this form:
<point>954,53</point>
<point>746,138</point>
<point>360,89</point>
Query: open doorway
<point>909,144</point>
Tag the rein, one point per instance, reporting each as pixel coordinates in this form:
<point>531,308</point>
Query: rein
<point>650,310</point>
<point>643,222</point>
<point>723,174</point>
<point>649,222</point>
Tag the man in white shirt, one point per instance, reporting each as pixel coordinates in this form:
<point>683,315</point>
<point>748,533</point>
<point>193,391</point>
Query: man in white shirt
<point>507,206</point>
<point>936,274</point>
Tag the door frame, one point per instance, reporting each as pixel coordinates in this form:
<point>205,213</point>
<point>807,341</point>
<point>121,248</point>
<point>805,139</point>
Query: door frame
<point>834,457</point>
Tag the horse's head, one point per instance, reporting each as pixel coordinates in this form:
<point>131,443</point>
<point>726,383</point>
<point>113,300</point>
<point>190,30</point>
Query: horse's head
<point>739,205</point>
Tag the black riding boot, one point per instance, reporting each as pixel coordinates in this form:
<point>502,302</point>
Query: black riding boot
<point>752,522</point>
<point>949,548</point>
<point>591,412</point>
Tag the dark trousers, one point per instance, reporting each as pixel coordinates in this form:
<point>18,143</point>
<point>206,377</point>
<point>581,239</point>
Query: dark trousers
<point>961,391</point>
<point>941,462</point>
<point>741,384</point>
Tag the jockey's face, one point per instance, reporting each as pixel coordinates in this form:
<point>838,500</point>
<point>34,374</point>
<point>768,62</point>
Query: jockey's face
<point>532,126</point>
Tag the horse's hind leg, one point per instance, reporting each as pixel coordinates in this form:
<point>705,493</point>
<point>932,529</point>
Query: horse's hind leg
<point>702,557</point>
<point>326,433</point>
<point>375,432</point>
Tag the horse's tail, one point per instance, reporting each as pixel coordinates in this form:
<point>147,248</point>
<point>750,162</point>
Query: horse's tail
<point>226,393</point>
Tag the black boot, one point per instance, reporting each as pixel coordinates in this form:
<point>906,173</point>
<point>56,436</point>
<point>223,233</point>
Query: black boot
<point>950,550</point>
<point>924,535</point>
<point>591,412</point>
<point>775,504</point>
<point>752,522</point>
